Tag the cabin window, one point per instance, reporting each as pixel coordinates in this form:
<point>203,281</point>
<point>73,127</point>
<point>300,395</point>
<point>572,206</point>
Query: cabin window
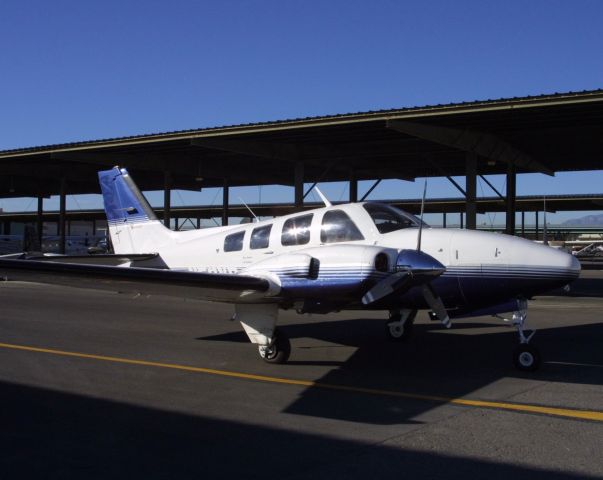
<point>389,219</point>
<point>296,230</point>
<point>338,227</point>
<point>260,237</point>
<point>234,242</point>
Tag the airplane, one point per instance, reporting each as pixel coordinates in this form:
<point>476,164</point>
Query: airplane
<point>356,256</point>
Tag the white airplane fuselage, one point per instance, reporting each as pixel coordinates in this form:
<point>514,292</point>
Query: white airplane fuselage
<point>481,268</point>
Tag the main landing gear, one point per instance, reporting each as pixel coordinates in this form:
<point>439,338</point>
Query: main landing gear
<point>278,350</point>
<point>526,357</point>
<point>400,325</point>
<point>259,322</point>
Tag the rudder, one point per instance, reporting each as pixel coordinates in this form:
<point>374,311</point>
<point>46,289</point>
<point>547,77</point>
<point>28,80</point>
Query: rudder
<point>133,226</point>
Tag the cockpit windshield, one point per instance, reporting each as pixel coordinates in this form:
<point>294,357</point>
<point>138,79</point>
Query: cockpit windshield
<point>389,219</point>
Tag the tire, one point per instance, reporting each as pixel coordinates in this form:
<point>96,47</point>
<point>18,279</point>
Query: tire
<point>398,333</point>
<point>526,358</point>
<point>279,351</point>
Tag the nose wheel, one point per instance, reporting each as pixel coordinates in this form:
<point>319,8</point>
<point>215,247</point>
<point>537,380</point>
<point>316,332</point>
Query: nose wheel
<point>400,325</point>
<point>278,350</point>
<point>526,358</point>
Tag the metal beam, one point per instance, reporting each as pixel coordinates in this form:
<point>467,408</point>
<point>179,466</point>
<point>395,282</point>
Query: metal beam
<point>167,197</point>
<point>511,194</point>
<point>322,175</point>
<point>480,143</point>
<point>370,190</point>
<point>353,187</point>
<point>471,189</point>
<point>225,194</point>
<point>145,161</point>
<point>458,187</point>
<point>62,216</point>
<point>273,150</point>
<point>298,179</point>
<point>492,187</point>
<point>40,221</point>
<point>523,223</point>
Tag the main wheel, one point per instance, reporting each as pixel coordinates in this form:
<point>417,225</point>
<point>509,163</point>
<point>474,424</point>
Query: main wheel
<point>526,358</point>
<point>278,351</point>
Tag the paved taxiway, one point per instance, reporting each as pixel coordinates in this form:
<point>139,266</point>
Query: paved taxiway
<point>132,406</point>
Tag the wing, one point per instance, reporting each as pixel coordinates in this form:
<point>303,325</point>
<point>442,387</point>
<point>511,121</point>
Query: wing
<point>98,259</point>
<point>202,286</point>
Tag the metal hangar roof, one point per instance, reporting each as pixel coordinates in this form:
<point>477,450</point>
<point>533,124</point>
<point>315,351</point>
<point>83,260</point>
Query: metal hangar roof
<point>545,133</point>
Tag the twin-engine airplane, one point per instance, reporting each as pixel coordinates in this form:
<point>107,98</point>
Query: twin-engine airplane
<point>361,256</point>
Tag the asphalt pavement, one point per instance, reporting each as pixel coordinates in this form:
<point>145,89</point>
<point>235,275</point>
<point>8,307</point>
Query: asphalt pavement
<point>107,385</point>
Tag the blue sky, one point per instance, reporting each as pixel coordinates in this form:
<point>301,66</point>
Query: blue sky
<point>74,70</point>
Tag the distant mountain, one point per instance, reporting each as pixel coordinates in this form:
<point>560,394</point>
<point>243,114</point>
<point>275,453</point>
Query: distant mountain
<point>587,221</point>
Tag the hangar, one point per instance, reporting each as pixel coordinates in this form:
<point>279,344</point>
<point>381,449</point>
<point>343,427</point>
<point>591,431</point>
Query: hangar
<point>545,133</point>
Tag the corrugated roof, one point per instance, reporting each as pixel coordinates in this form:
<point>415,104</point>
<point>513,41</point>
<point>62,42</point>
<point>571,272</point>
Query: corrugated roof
<point>371,115</point>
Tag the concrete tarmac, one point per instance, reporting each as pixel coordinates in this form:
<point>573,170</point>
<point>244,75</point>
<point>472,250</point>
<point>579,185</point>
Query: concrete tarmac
<point>151,387</point>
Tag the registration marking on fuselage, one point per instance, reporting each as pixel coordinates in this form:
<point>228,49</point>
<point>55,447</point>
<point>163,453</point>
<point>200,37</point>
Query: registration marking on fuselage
<point>591,415</point>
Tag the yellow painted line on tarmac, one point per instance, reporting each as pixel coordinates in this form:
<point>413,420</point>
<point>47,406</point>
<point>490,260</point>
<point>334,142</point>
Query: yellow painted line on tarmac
<point>517,407</point>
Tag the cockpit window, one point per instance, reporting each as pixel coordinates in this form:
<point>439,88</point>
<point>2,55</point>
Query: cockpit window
<point>389,219</point>
<point>296,230</point>
<point>338,227</point>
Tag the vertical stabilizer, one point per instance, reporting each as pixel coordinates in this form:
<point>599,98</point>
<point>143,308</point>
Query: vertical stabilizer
<point>133,226</point>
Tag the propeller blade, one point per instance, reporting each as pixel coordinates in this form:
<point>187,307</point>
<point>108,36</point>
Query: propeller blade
<point>435,303</point>
<point>386,287</point>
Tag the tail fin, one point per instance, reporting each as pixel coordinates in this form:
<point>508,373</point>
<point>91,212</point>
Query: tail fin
<point>133,226</point>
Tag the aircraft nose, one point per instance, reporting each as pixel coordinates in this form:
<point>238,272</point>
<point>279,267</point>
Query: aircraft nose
<point>563,261</point>
<point>545,261</point>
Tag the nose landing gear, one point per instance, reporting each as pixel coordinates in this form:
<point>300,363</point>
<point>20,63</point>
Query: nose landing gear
<point>526,357</point>
<point>399,325</point>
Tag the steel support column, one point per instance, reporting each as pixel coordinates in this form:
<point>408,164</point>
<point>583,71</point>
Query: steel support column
<point>511,193</point>
<point>167,197</point>
<point>536,238</point>
<point>225,192</point>
<point>523,224</point>
<point>471,189</point>
<point>353,187</point>
<point>62,215</point>
<point>40,221</point>
<point>298,183</point>
<point>462,226</point>
<point>444,220</point>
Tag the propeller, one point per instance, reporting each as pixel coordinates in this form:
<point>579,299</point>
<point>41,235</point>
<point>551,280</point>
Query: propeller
<point>413,268</point>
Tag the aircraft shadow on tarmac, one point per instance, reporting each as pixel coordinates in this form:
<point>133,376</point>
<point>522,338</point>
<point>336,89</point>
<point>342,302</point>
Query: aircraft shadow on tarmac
<point>50,434</point>
<point>433,362</point>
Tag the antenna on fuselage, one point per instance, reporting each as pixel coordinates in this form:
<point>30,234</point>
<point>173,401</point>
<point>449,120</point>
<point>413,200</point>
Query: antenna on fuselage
<point>422,210</point>
<point>545,236</point>
<point>322,197</point>
<point>256,219</point>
